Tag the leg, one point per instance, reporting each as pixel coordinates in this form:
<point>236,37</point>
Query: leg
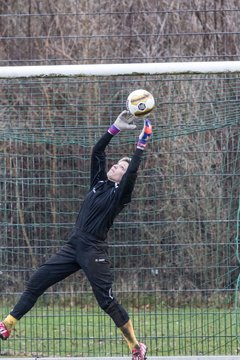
<point>57,268</point>
<point>96,266</point>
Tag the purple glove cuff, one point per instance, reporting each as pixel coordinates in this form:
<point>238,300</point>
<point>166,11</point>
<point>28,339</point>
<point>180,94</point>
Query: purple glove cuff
<point>141,145</point>
<point>113,130</point>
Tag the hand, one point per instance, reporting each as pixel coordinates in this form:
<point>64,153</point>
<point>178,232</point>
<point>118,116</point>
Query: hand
<point>123,122</point>
<point>145,134</point>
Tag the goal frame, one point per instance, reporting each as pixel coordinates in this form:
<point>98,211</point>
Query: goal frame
<point>120,69</point>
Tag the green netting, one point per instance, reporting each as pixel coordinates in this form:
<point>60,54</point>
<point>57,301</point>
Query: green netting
<point>173,249</point>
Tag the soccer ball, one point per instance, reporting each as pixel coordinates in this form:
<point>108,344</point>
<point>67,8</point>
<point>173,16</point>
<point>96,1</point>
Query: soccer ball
<point>140,102</point>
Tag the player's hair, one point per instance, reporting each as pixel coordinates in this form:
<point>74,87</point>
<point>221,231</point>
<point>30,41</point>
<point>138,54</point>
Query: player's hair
<point>125,158</point>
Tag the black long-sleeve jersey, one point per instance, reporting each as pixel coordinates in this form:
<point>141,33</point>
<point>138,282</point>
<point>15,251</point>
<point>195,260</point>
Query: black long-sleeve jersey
<point>105,198</point>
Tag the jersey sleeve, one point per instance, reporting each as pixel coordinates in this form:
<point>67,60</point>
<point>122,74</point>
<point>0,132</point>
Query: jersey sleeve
<point>127,183</point>
<point>98,159</point>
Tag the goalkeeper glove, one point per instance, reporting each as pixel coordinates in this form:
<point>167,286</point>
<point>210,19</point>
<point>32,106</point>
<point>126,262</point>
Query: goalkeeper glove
<point>145,134</point>
<point>123,122</point>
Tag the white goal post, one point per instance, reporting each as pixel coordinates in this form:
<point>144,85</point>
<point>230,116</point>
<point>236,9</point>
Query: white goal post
<point>119,69</point>
<point>192,180</point>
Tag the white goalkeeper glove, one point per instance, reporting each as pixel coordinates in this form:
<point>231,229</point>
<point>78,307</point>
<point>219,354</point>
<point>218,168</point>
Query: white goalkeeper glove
<point>124,121</point>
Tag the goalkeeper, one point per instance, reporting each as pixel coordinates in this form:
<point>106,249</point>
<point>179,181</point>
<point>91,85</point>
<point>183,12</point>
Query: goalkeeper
<point>85,249</point>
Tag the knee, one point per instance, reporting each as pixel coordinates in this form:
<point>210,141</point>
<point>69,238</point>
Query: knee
<point>117,313</point>
<point>35,286</point>
<point>33,290</point>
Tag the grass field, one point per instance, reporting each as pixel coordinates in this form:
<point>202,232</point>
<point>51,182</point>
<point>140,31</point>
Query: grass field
<point>87,331</point>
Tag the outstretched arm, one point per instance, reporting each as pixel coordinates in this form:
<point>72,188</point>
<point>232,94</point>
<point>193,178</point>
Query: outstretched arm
<point>128,181</point>
<point>98,158</point>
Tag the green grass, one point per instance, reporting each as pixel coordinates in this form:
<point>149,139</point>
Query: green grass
<point>87,331</point>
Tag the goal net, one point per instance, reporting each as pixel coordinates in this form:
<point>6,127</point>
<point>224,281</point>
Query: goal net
<point>174,250</point>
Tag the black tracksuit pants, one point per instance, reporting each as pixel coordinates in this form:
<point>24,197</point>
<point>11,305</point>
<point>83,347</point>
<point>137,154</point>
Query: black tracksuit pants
<point>73,256</point>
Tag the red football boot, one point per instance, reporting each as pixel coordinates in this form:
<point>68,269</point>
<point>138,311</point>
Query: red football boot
<point>139,354</point>
<point>4,332</point>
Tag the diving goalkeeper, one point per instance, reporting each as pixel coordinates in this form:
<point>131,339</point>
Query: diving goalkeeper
<point>85,249</point>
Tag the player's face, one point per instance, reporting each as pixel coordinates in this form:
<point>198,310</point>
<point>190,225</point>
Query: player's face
<point>117,171</point>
